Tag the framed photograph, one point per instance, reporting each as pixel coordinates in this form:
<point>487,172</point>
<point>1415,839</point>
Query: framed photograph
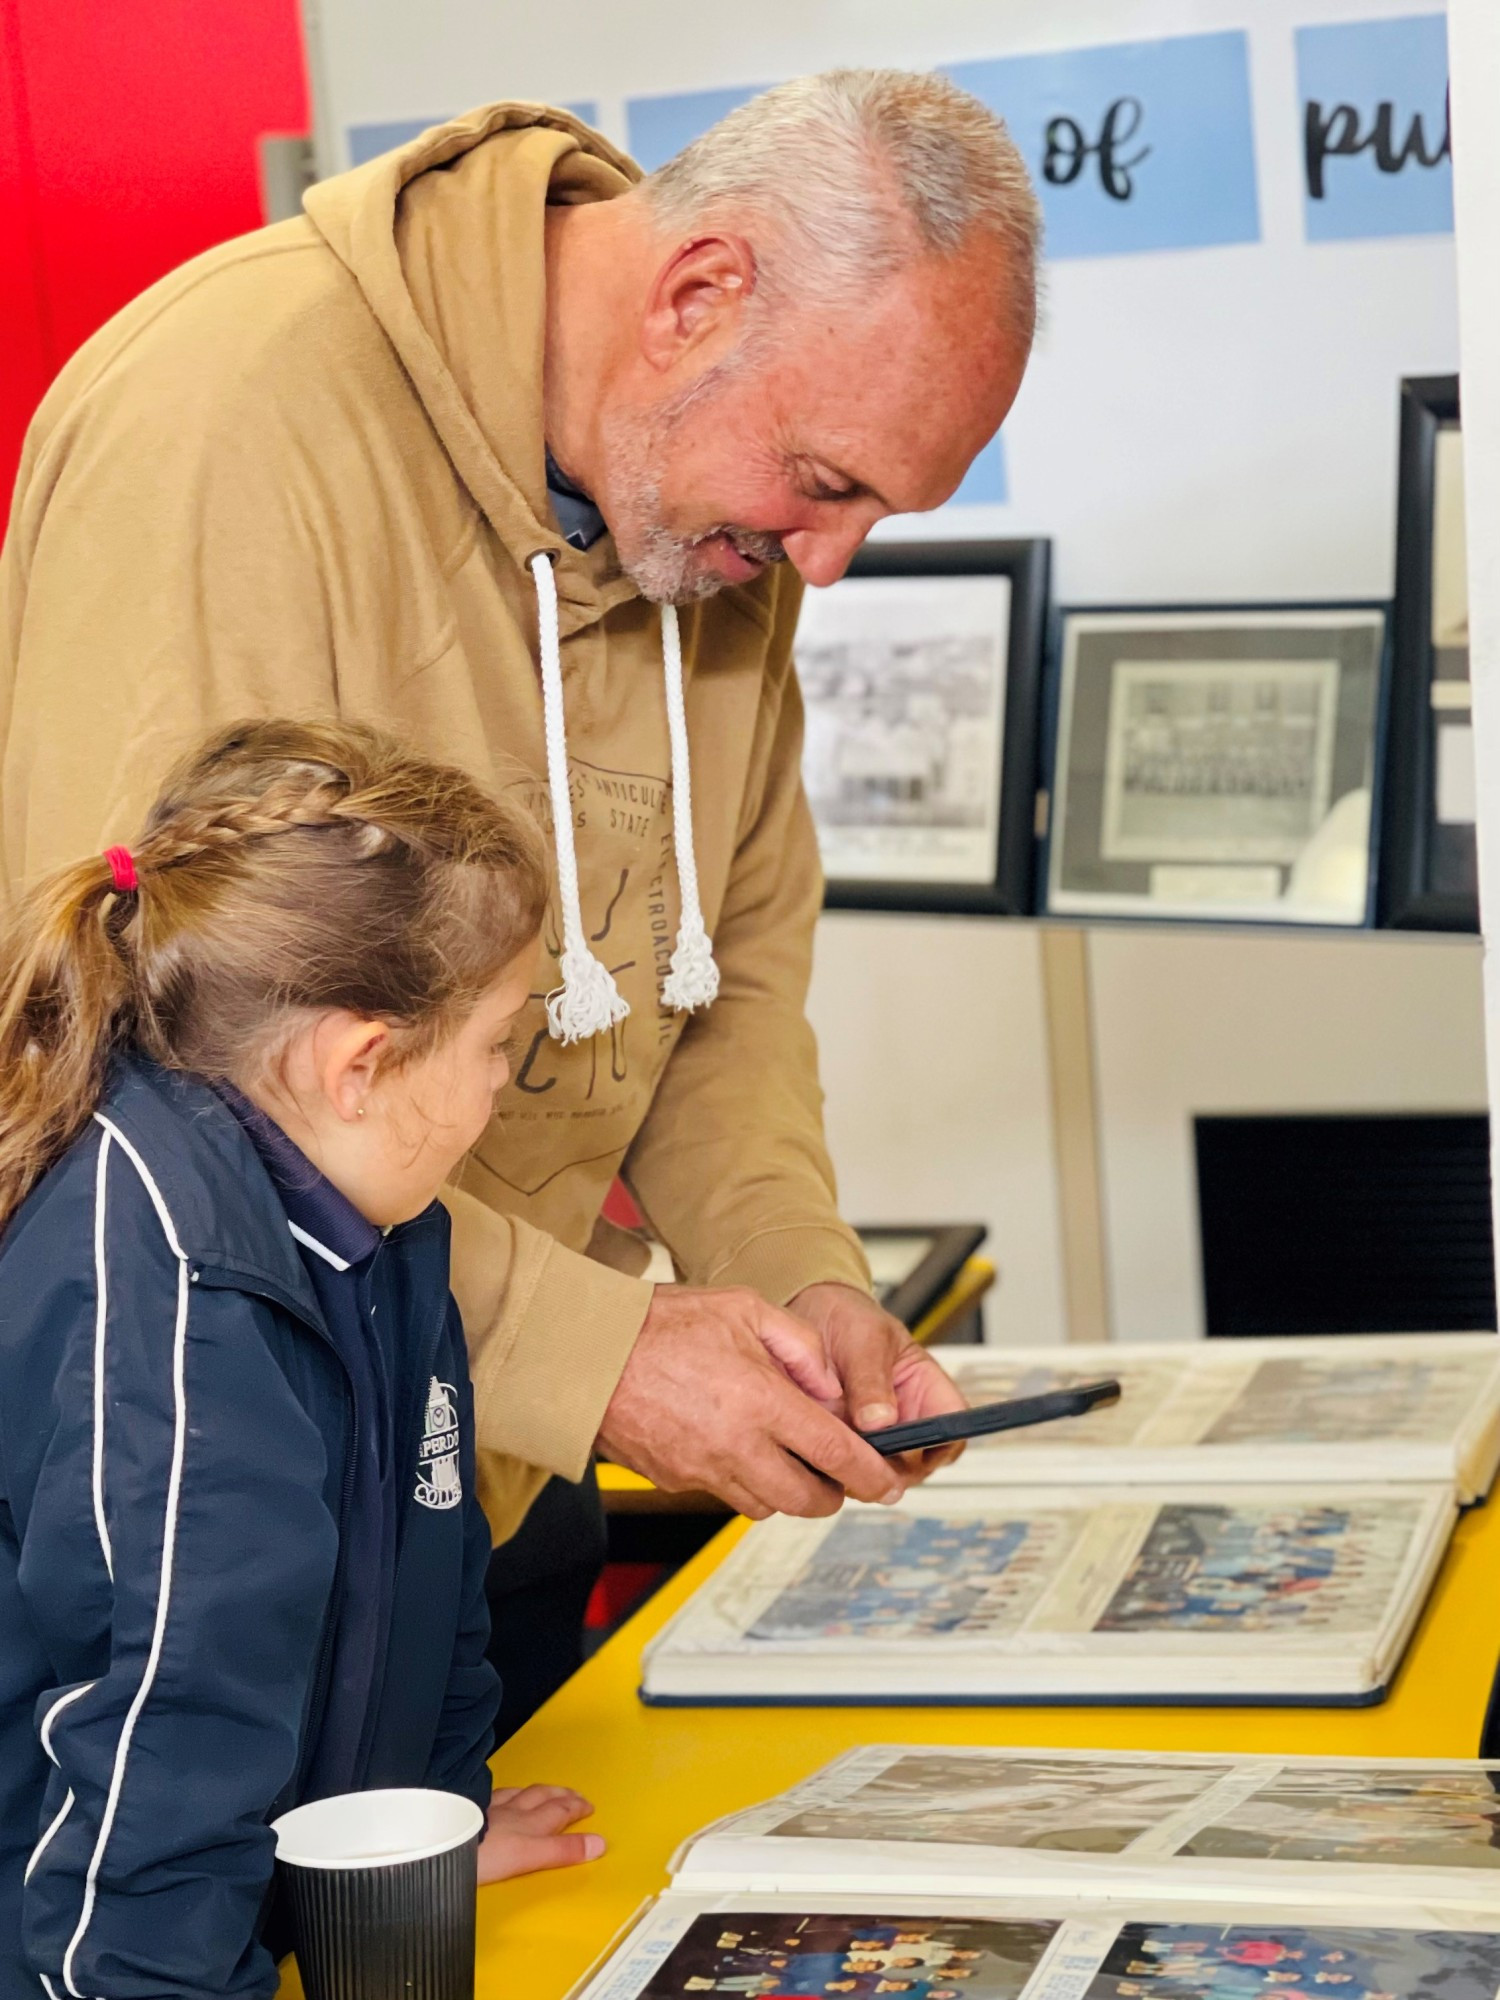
<point>921,677</point>
<point>913,1264</point>
<point>1216,764</point>
<point>1429,864</point>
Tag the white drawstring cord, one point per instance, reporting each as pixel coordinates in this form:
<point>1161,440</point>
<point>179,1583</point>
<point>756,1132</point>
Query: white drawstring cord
<point>693,979</point>
<point>588,1000</point>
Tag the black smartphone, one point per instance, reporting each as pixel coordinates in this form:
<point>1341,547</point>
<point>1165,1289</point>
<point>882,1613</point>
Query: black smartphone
<point>926,1432</point>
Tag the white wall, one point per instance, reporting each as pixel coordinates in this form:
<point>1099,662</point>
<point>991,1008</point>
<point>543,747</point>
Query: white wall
<point>1196,424</point>
<point>934,1060</point>
<point>1191,1023</point>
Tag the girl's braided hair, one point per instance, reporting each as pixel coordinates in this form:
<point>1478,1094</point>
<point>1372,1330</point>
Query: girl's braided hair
<point>286,868</point>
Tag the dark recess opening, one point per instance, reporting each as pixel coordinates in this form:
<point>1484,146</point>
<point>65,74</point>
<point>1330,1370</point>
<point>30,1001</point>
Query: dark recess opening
<point>1345,1224</point>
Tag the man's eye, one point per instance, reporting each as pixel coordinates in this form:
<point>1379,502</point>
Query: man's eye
<point>816,487</point>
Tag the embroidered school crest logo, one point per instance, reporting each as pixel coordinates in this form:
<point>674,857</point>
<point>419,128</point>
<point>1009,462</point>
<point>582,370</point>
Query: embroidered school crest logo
<point>437,1462</point>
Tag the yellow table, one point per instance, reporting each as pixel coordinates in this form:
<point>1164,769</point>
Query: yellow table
<point>656,1775</point>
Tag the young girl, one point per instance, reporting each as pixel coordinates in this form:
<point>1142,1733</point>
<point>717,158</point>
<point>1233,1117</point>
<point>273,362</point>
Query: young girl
<point>241,1559</point>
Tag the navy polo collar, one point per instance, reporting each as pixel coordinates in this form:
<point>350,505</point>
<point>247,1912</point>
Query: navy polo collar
<point>579,519</point>
<point>322,1218</point>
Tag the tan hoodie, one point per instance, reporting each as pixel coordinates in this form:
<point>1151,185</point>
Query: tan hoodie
<point>306,472</point>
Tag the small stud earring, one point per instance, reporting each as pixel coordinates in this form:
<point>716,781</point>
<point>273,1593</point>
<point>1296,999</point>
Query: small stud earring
<point>359,1111</point>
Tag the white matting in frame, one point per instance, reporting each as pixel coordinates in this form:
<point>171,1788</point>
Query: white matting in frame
<point>1216,764</point>
<point>903,678</point>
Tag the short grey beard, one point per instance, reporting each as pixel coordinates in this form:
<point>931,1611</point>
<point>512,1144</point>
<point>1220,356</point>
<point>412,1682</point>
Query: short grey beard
<point>661,565</point>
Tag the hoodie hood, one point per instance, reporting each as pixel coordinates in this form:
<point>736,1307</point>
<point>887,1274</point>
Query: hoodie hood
<point>445,238</point>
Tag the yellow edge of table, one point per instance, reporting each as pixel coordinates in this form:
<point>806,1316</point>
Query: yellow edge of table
<point>657,1775</point>
<point>967,1289</point>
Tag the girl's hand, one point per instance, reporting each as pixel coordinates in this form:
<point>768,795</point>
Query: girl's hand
<point>526,1832</point>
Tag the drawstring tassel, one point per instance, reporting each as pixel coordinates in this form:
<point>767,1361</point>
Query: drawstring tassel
<point>693,978</point>
<point>588,1001</point>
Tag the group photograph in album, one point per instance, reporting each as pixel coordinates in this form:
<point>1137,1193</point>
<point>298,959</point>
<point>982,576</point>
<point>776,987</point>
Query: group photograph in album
<point>1054,1875</point>
<point>996,1954</point>
<point>1392,1406</point>
<point>1030,1594</point>
<point>939,1820</point>
<point>1250,1522</point>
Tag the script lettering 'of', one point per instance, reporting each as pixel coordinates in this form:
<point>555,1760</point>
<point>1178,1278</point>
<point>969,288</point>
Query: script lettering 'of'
<point>1069,149</point>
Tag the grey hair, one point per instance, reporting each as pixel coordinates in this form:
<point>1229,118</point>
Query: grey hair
<point>855,172</point>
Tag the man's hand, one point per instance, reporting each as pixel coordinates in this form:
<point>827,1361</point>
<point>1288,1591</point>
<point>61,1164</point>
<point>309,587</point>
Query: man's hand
<point>726,1392</point>
<point>528,1831</point>
<point>885,1377</point>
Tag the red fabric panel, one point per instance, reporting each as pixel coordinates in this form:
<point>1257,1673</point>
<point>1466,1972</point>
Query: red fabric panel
<point>143,116</point>
<point>618,1591</point>
<point>26,351</point>
<point>620,1208</point>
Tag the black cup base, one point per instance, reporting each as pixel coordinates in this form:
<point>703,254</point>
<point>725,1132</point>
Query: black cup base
<point>404,1932</point>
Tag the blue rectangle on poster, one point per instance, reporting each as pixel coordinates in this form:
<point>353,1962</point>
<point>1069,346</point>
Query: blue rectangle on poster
<point>1133,145</point>
<point>986,483</point>
<point>366,142</point>
<point>660,127</point>
<point>1375,156</point>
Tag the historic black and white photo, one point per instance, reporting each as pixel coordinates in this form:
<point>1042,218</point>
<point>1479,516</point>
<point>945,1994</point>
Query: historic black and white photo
<point>1211,762</point>
<point>1216,764</point>
<point>904,684</point>
<point>921,685</point>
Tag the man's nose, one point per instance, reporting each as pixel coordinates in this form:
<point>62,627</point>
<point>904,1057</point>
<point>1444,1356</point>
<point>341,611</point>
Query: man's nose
<point>821,555</point>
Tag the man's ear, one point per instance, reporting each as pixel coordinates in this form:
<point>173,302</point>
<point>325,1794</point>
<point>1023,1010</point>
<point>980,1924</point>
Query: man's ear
<point>347,1053</point>
<point>698,295</point>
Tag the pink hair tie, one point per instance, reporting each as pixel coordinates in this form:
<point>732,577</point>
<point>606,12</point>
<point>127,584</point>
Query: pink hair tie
<point>121,868</point>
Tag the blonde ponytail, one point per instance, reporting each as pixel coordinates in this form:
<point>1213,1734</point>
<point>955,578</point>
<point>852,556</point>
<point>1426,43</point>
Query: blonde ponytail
<point>64,996</point>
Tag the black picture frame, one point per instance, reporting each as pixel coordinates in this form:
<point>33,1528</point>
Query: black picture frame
<point>1428,870</point>
<point>1145,626</point>
<point>941,1251</point>
<point>1026,565</point>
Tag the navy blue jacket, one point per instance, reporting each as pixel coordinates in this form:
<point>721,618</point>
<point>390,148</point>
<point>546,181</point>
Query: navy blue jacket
<point>174,1490</point>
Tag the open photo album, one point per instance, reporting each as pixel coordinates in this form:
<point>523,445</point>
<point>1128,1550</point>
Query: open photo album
<point>783,1947</point>
<point>1112,1595</point>
<point>1344,1408</point>
<point>945,1820</point>
<point>992,1874</point>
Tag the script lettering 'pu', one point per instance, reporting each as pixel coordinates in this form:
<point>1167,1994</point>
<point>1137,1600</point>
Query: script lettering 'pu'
<point>1338,133</point>
<point>1068,149</point>
<point>1375,150</point>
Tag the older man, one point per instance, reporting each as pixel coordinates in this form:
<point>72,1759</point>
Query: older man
<point>446,453</point>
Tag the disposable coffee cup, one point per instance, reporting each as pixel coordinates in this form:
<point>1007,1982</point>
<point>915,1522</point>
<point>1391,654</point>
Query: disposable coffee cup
<point>381,1887</point>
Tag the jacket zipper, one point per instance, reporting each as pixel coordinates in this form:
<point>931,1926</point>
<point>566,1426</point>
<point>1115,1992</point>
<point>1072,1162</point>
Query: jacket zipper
<point>323,1667</point>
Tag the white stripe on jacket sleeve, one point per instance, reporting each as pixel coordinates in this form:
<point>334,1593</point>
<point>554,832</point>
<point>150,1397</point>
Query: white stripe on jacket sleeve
<point>67,1805</point>
<point>46,1840</point>
<point>55,1711</point>
<point>168,1548</point>
<point>101,1314</point>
